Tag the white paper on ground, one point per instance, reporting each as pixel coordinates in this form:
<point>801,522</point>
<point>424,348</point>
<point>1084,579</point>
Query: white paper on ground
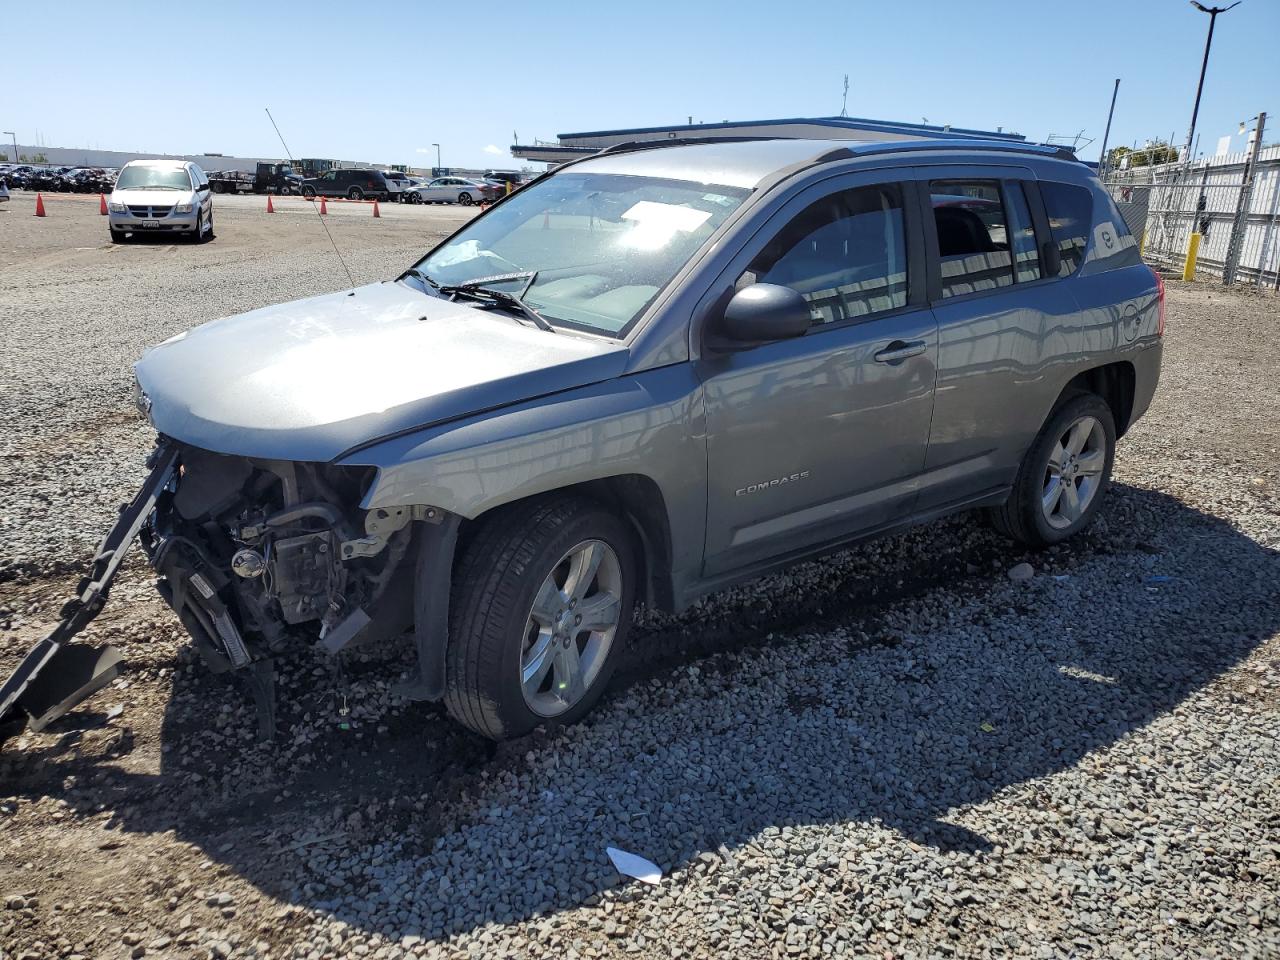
<point>631,865</point>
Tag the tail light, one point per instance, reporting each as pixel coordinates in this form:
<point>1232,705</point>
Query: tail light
<point>1159,304</point>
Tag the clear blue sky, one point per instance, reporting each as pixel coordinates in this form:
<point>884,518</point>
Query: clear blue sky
<point>406,75</point>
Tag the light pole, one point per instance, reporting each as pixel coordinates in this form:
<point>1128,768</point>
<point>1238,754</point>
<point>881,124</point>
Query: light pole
<point>439,165</point>
<point>10,133</point>
<point>1195,111</point>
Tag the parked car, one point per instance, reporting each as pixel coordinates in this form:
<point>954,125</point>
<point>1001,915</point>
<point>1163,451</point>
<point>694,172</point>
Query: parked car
<point>160,196</point>
<point>352,184</point>
<point>647,376</point>
<point>397,183</point>
<point>513,177</point>
<point>454,190</point>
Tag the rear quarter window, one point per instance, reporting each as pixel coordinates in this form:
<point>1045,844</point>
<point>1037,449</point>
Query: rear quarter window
<point>1070,212</point>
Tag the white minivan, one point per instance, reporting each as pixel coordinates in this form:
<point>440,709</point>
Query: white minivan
<point>161,196</point>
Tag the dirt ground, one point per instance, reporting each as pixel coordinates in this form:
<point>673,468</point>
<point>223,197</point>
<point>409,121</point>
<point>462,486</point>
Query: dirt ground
<point>150,822</point>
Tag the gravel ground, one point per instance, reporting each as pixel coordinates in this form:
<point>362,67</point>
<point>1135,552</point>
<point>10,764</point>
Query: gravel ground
<point>897,751</point>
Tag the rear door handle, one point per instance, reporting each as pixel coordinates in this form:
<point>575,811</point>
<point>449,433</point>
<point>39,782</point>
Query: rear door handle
<point>901,350</point>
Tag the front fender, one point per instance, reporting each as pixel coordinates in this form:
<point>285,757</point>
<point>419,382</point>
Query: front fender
<point>649,423</point>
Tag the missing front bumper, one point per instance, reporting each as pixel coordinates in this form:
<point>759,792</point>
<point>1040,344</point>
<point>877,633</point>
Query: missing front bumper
<point>56,675</point>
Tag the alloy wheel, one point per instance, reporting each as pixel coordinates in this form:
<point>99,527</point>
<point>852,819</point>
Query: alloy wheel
<point>570,628</point>
<point>1074,472</point>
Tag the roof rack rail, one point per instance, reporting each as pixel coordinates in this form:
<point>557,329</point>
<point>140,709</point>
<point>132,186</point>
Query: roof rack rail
<point>858,147</point>
<point>1057,151</point>
<point>630,146</point>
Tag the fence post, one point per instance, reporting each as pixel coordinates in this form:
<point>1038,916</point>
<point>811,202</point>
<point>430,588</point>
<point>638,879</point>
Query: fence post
<point>1242,207</point>
<point>1193,251</point>
<point>1265,256</point>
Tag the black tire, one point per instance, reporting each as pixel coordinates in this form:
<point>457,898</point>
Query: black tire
<point>118,236</point>
<point>1023,516</point>
<point>500,572</point>
<point>464,199</point>
<point>355,193</point>
<point>308,192</point>
<point>197,235</point>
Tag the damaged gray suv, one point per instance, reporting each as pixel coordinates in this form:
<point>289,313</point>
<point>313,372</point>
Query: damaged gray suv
<point>655,372</point>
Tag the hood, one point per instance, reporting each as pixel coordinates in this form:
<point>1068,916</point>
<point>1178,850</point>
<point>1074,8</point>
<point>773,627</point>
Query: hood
<point>308,380</point>
<point>142,196</point>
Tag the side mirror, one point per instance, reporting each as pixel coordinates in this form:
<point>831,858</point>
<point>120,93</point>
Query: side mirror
<point>1051,258</point>
<point>763,312</point>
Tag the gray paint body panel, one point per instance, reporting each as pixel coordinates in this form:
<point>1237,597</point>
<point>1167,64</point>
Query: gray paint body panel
<point>468,410</point>
<point>311,379</point>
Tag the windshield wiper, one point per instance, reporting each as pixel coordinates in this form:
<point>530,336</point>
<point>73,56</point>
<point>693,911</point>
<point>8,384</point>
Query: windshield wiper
<point>479,289</point>
<point>415,272</point>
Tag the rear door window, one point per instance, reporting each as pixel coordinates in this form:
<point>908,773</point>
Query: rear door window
<point>1070,212</point>
<point>973,236</point>
<point>846,254</point>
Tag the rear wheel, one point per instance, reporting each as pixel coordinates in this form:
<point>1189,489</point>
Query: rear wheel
<point>464,199</point>
<point>1064,475</point>
<point>541,606</point>
<point>355,193</point>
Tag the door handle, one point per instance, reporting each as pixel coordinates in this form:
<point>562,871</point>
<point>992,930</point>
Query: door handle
<point>901,350</point>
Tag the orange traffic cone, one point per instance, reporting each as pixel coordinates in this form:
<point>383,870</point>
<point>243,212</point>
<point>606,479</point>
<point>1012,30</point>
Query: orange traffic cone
<point>324,207</point>
<point>102,204</point>
<point>270,208</point>
<point>376,214</point>
<point>39,205</point>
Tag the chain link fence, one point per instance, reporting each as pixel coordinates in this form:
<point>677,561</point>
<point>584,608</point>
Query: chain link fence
<point>1236,218</point>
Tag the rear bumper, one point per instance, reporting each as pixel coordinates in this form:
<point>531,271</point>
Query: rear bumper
<point>1146,369</point>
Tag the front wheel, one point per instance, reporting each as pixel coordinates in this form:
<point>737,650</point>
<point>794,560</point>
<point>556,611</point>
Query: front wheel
<point>1063,476</point>
<point>541,607</point>
<point>309,192</point>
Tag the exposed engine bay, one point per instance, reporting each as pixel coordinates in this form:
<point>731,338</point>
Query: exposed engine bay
<point>255,556</point>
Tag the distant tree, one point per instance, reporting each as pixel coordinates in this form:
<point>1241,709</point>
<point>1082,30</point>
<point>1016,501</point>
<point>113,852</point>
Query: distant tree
<point>1153,153</point>
<point>39,158</point>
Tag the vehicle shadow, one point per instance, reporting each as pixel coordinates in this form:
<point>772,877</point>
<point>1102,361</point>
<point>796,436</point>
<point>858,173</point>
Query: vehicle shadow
<point>381,817</point>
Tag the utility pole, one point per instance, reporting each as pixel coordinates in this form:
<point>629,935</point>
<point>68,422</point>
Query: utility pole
<point>1102,162</point>
<point>439,165</point>
<point>1204,65</point>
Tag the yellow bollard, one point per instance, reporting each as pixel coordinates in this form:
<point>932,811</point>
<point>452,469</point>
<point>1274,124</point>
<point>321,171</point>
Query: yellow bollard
<point>1142,242</point>
<point>508,188</point>
<point>1193,250</point>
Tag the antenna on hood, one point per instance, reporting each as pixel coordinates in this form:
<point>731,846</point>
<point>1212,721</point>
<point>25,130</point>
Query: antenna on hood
<point>345,268</point>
